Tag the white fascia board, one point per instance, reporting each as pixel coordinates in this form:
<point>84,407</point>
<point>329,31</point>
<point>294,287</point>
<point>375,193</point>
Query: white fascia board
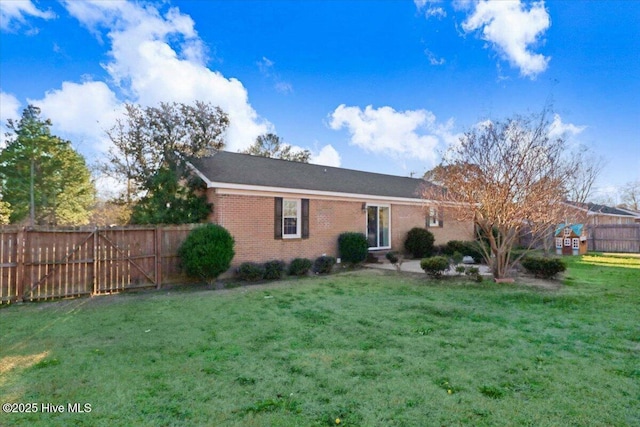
<point>200,174</point>
<point>328,194</point>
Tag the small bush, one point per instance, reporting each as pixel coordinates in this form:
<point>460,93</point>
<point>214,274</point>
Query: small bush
<point>353,247</point>
<point>300,267</point>
<point>435,266</point>
<point>392,257</point>
<point>419,242</point>
<point>473,273</point>
<point>207,252</point>
<point>470,248</point>
<point>273,270</point>
<point>251,272</point>
<point>545,268</point>
<point>324,264</point>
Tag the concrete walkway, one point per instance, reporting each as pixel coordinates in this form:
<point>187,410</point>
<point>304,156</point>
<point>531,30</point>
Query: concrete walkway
<point>413,266</point>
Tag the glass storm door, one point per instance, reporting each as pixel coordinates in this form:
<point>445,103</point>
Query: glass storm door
<point>378,226</point>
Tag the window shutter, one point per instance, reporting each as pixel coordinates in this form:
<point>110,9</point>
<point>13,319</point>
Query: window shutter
<point>440,217</point>
<point>277,223</point>
<point>305,218</point>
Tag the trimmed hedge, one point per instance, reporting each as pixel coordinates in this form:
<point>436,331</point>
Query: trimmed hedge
<point>353,247</point>
<point>419,242</point>
<point>273,270</point>
<point>300,267</point>
<point>251,271</point>
<point>435,266</point>
<point>207,252</point>
<point>545,268</point>
<point>324,264</point>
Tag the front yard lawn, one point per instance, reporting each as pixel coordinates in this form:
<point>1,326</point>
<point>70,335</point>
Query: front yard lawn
<point>366,348</point>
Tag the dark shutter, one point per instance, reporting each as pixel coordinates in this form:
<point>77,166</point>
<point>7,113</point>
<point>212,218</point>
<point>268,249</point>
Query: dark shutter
<point>277,223</point>
<point>440,217</point>
<point>305,218</point>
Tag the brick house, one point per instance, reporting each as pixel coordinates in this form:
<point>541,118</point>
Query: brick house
<point>278,209</point>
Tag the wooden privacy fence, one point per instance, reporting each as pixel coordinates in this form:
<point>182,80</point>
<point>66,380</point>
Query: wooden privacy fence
<point>614,238</point>
<point>57,263</point>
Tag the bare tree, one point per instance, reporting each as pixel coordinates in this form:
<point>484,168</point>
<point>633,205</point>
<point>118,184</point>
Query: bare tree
<point>508,177</point>
<point>631,195</point>
<point>271,145</point>
<point>585,170</point>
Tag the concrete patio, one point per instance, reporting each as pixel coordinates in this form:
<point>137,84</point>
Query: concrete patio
<point>413,266</point>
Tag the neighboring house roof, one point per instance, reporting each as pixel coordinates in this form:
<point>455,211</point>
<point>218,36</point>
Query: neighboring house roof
<point>576,228</point>
<point>235,170</point>
<point>596,209</point>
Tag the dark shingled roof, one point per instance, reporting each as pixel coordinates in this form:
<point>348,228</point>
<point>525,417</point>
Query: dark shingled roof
<point>607,210</point>
<point>245,169</point>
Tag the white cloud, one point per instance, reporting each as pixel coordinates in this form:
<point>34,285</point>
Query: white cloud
<point>512,31</point>
<point>9,109</point>
<point>430,8</point>
<point>327,156</point>
<point>14,13</point>
<point>82,112</point>
<point>433,59</point>
<point>558,129</point>
<point>156,57</point>
<point>266,67</point>
<point>406,134</point>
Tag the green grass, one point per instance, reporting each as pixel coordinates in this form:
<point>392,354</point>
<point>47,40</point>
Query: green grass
<point>368,348</point>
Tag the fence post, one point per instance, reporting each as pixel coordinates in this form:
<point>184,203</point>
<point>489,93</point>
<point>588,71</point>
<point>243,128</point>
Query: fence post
<point>95,261</point>
<point>158,251</point>
<point>20,248</point>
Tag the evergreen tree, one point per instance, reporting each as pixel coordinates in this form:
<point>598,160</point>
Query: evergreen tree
<point>43,178</point>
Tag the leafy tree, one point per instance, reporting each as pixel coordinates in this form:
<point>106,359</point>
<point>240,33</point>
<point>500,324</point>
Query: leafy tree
<point>150,148</point>
<point>508,177</point>
<point>271,145</point>
<point>5,212</point>
<point>42,176</point>
<point>171,201</point>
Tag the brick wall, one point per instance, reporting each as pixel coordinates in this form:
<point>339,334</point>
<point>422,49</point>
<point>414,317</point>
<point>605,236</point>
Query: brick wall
<point>250,220</point>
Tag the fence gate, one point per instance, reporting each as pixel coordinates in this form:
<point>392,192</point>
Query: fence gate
<point>49,264</point>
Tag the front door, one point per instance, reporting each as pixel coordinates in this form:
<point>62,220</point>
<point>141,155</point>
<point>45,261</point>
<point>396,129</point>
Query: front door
<point>378,230</point>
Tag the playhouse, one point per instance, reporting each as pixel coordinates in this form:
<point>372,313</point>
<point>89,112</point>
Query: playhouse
<point>571,239</point>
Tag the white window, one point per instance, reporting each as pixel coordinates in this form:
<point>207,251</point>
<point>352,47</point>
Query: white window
<point>567,232</point>
<point>576,243</point>
<point>434,221</point>
<point>567,241</point>
<point>290,219</point>
<point>558,242</point>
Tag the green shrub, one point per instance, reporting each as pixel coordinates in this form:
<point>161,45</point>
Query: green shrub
<point>435,266</point>
<point>353,247</point>
<point>273,270</point>
<point>207,252</point>
<point>473,273</point>
<point>470,248</point>
<point>251,272</point>
<point>392,257</point>
<point>324,264</point>
<point>300,267</point>
<point>419,242</point>
<point>545,268</point>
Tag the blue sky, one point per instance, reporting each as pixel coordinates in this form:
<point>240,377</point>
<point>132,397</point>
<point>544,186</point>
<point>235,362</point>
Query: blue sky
<point>382,86</point>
